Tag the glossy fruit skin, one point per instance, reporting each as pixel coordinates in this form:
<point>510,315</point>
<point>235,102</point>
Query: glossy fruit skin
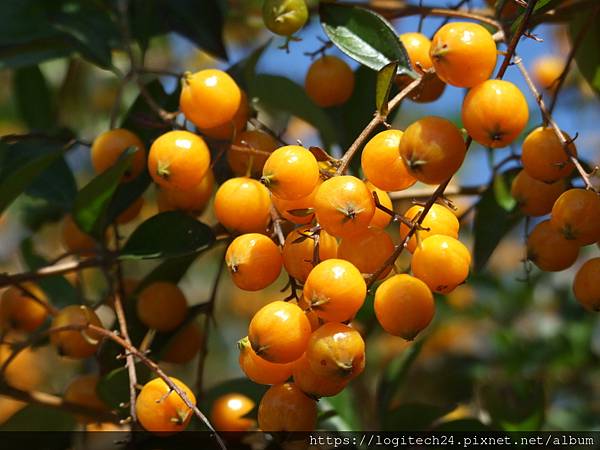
<point>82,391</point>
<point>344,206</point>
<point>586,287</point>
<point>131,212</point>
<point>279,332</point>
<point>329,81</point>
<point>382,164</point>
<point>368,250</point>
<point>335,290</point>
<point>297,256</point>
<point>74,343</point>
<point>281,170</point>
<point>209,98</point>
<point>182,347</point>
<point>228,411</point>
<point>433,149</point>
<point>544,157</point>
<point>305,204</point>
<point>576,214</point>
<point>494,113</point>
<point>546,70</point>
<point>549,250</point>
<point>534,197</point>
<point>21,312</point>
<point>75,240</point>
<point>243,205</point>
<point>110,145</point>
<point>439,220</point>
<point>163,412</point>
<point>260,370</point>
<point>254,261</point>
<point>252,139</point>
<point>380,219</point>
<point>284,407</point>
<point>336,351</point>
<point>193,200</point>
<point>442,262</point>
<point>404,306</point>
<point>235,126</point>
<point>285,17</point>
<point>161,306</point>
<point>178,160</point>
<point>25,371</point>
<point>313,385</point>
<point>463,54</point>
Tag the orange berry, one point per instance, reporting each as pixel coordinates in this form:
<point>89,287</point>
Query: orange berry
<point>75,343</point>
<point>228,411</point>
<point>404,306</point>
<point>433,149</point>
<point>209,98</point>
<point>131,212</point>
<point>335,290</point>
<point>254,261</point>
<point>243,205</point>
<point>463,53</point>
<point>544,157</point>
<point>546,70</point>
<point>380,219</point>
<point>548,249</point>
<point>178,160</point>
<point>162,411</point>
<point>82,391</point>
<point>26,371</point>
<point>534,197</point>
<point>282,169</point>
<point>329,81</point>
<point>260,370</point>
<point>494,113</point>
<point>303,208</point>
<point>367,250</point>
<point>20,311</point>
<point>279,332</point>
<point>110,145</point>
<point>231,128</point>
<point>585,285</point>
<point>284,407</point>
<point>382,164</point>
<point>162,306</point>
<point>576,214</point>
<point>344,206</point>
<point>298,250</point>
<point>285,17</point>
<point>314,385</point>
<point>240,161</point>
<point>439,220</point>
<point>193,200</point>
<point>442,262</point>
<point>336,351</point>
<point>182,347</point>
<point>75,240</point>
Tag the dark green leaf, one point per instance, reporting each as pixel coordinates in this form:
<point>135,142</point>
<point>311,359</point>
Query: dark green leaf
<point>35,52</point>
<point>502,186</point>
<point>167,235</point>
<point>540,8</point>
<point>33,98</point>
<point>346,407</point>
<point>41,418</point>
<point>126,194</point>
<point>492,222</point>
<point>588,55</point>
<point>413,417</point>
<point>461,425</point>
<point>113,388</point>
<point>56,185</point>
<point>385,80</point>
<point>364,36</point>
<point>173,270</point>
<point>244,71</point>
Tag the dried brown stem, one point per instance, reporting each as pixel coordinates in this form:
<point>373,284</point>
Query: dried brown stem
<point>427,192</point>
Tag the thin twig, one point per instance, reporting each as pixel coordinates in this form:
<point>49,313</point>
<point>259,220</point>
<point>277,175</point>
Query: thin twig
<point>427,192</point>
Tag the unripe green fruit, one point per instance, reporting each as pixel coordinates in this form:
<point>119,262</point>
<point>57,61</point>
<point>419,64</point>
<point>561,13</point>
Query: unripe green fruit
<point>285,17</point>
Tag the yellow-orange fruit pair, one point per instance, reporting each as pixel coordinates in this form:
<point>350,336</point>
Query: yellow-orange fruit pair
<point>178,160</point>
<point>439,220</point>
<point>193,200</point>
<point>19,311</point>
<point>576,215</point>
<point>543,156</point>
<point>344,206</point>
<point>585,285</point>
<point>368,250</point>
<point>284,407</point>
<point>291,172</point>
<point>335,290</point>
<point>329,81</point>
<point>249,152</point>
<point>433,149</point>
<point>298,251</point>
<point>315,385</point>
<point>382,163</point>
<point>548,249</point>
<point>259,369</point>
<point>82,391</point>
<point>182,347</point>
<point>75,343</point>
<point>162,306</point>
<point>534,197</point>
<point>442,262</point>
<point>279,332</point>
<point>110,145</point>
<point>404,306</point>
<point>228,411</point>
<point>243,205</point>
<point>254,261</point>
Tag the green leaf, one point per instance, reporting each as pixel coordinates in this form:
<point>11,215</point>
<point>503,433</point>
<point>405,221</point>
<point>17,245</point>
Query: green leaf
<point>60,292</point>
<point>113,388</point>
<point>167,235</point>
<point>540,8</point>
<point>56,185</point>
<point>588,55</point>
<point>34,52</point>
<point>244,71</point>
<point>461,425</point>
<point>502,187</point>
<point>364,36</point>
<point>413,417</point>
<point>283,94</point>
<point>173,270</point>
<point>385,81</point>
<point>33,98</point>
<point>126,194</point>
<point>41,418</point>
<point>492,221</point>
<point>345,405</point>
<point>92,202</point>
